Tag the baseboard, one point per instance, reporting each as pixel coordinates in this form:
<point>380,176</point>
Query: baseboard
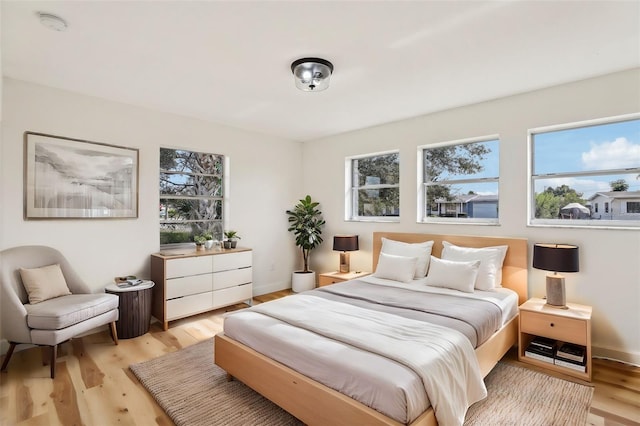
<point>616,355</point>
<point>271,287</point>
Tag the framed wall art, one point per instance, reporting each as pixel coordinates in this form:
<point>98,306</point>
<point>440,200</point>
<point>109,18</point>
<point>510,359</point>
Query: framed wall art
<point>77,179</point>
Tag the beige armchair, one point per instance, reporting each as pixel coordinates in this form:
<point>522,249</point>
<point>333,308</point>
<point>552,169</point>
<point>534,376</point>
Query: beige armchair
<point>51,321</point>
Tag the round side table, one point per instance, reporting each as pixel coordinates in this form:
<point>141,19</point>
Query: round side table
<point>135,308</point>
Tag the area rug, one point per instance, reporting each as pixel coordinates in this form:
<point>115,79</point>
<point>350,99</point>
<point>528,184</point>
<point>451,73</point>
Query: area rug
<point>194,391</point>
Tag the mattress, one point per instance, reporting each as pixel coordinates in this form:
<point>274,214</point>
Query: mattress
<point>389,387</point>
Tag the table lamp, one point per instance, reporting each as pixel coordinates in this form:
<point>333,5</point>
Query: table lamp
<point>556,258</point>
<point>345,244</point>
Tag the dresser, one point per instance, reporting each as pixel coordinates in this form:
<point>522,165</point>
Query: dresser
<point>192,282</point>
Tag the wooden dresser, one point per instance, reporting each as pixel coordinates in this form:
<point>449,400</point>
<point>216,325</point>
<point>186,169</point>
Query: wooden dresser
<point>190,282</point>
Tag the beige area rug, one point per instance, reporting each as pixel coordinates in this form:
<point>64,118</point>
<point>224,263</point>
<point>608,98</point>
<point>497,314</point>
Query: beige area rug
<point>194,391</point>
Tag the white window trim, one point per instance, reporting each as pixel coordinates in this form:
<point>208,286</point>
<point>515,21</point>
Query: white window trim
<point>421,187</point>
<point>567,223</point>
<point>351,209</point>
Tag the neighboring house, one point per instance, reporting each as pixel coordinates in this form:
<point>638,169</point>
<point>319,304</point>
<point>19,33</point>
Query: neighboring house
<point>469,205</point>
<point>615,205</point>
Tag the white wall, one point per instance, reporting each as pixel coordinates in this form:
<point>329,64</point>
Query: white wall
<point>609,277</point>
<point>265,181</point>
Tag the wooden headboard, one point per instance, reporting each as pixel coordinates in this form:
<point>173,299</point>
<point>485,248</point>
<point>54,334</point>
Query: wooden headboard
<point>514,268</point>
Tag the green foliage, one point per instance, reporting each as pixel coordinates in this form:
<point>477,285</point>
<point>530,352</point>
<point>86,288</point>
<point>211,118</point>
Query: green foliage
<point>378,170</point>
<point>464,159</point>
<point>232,235</point>
<point>172,237</point>
<point>305,221</point>
<point>199,239</point>
<point>619,185</point>
<point>551,200</point>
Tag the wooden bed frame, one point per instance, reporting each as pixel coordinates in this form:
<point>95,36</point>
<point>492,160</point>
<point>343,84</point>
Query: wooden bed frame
<point>316,404</point>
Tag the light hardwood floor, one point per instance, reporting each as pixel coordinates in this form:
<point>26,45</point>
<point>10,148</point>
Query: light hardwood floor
<point>93,384</point>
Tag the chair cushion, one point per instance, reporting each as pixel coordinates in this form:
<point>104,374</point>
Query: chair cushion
<point>44,283</point>
<point>65,311</point>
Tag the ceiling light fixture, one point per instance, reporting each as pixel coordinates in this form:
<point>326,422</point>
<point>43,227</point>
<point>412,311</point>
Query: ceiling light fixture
<point>312,74</point>
<point>52,22</point>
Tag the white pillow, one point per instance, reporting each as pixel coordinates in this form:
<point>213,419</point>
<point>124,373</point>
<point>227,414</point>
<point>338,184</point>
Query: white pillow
<point>397,268</point>
<point>44,283</point>
<point>421,251</point>
<point>451,274</point>
<point>491,259</point>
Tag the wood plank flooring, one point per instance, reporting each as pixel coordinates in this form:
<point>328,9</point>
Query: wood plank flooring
<point>94,386</point>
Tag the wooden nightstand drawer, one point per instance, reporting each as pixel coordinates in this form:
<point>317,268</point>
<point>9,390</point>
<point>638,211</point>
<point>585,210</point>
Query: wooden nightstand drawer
<point>555,327</point>
<point>329,278</point>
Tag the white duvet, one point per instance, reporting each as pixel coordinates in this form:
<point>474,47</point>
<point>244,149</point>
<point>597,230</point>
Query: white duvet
<point>443,358</point>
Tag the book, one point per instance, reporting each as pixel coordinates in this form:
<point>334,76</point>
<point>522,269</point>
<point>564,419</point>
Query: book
<point>129,283</point>
<point>579,366</point>
<point>541,350</point>
<point>571,352</point>
<point>543,342</point>
<point>539,356</point>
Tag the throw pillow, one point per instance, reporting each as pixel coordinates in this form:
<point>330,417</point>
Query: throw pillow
<point>421,251</point>
<point>397,268</point>
<point>44,283</point>
<point>451,274</point>
<point>491,260</point>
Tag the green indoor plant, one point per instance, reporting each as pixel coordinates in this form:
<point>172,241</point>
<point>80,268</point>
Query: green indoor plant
<point>232,239</point>
<point>305,221</point>
<point>199,240</point>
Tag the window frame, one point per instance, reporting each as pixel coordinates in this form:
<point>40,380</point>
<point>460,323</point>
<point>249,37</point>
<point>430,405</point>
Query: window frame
<point>421,216</point>
<point>224,178</point>
<point>351,190</point>
<point>575,223</point>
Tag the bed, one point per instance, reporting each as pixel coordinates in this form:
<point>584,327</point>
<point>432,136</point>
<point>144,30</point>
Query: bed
<point>315,403</point>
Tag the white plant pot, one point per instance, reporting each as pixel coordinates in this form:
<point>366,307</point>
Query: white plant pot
<point>303,281</point>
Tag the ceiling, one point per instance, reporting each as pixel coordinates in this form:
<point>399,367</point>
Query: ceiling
<point>229,62</point>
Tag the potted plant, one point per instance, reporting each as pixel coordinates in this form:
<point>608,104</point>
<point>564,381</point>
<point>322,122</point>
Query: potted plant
<point>208,244</point>
<point>232,239</point>
<point>305,221</point>
<point>199,240</point>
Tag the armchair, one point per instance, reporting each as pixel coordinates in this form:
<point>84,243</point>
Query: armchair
<point>52,321</point>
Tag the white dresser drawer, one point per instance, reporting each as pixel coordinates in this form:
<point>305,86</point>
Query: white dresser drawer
<point>185,286</point>
<point>232,278</point>
<point>189,305</point>
<point>224,262</point>
<point>189,266</point>
<point>231,295</point>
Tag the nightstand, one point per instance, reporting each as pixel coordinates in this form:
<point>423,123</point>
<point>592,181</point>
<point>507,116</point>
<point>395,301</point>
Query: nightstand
<point>571,325</point>
<point>329,278</point>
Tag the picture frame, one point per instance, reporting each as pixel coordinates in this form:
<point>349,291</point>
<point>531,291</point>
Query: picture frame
<point>66,178</point>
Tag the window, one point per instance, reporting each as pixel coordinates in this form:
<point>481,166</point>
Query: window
<point>191,195</point>
<point>374,187</point>
<point>633,206</point>
<point>460,181</point>
<point>576,167</point>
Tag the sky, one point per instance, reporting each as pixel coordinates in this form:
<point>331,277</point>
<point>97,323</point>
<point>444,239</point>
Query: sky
<point>602,147</point>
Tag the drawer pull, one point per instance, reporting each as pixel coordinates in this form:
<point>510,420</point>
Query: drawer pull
<point>552,324</point>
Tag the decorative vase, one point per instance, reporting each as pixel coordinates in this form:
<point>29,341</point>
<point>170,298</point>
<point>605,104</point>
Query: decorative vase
<point>199,247</point>
<point>303,281</point>
<point>227,244</point>
<point>208,244</point>
<point>234,243</point>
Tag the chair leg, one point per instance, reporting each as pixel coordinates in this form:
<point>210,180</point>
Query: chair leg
<point>54,355</point>
<point>114,332</point>
<point>7,357</point>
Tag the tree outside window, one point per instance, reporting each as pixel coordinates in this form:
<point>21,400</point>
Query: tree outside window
<point>191,195</point>
<point>577,167</point>
<point>460,181</point>
<point>375,186</point>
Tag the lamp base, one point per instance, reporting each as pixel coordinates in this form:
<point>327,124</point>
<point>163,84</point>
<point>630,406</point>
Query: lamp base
<point>556,297</point>
<point>344,262</point>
